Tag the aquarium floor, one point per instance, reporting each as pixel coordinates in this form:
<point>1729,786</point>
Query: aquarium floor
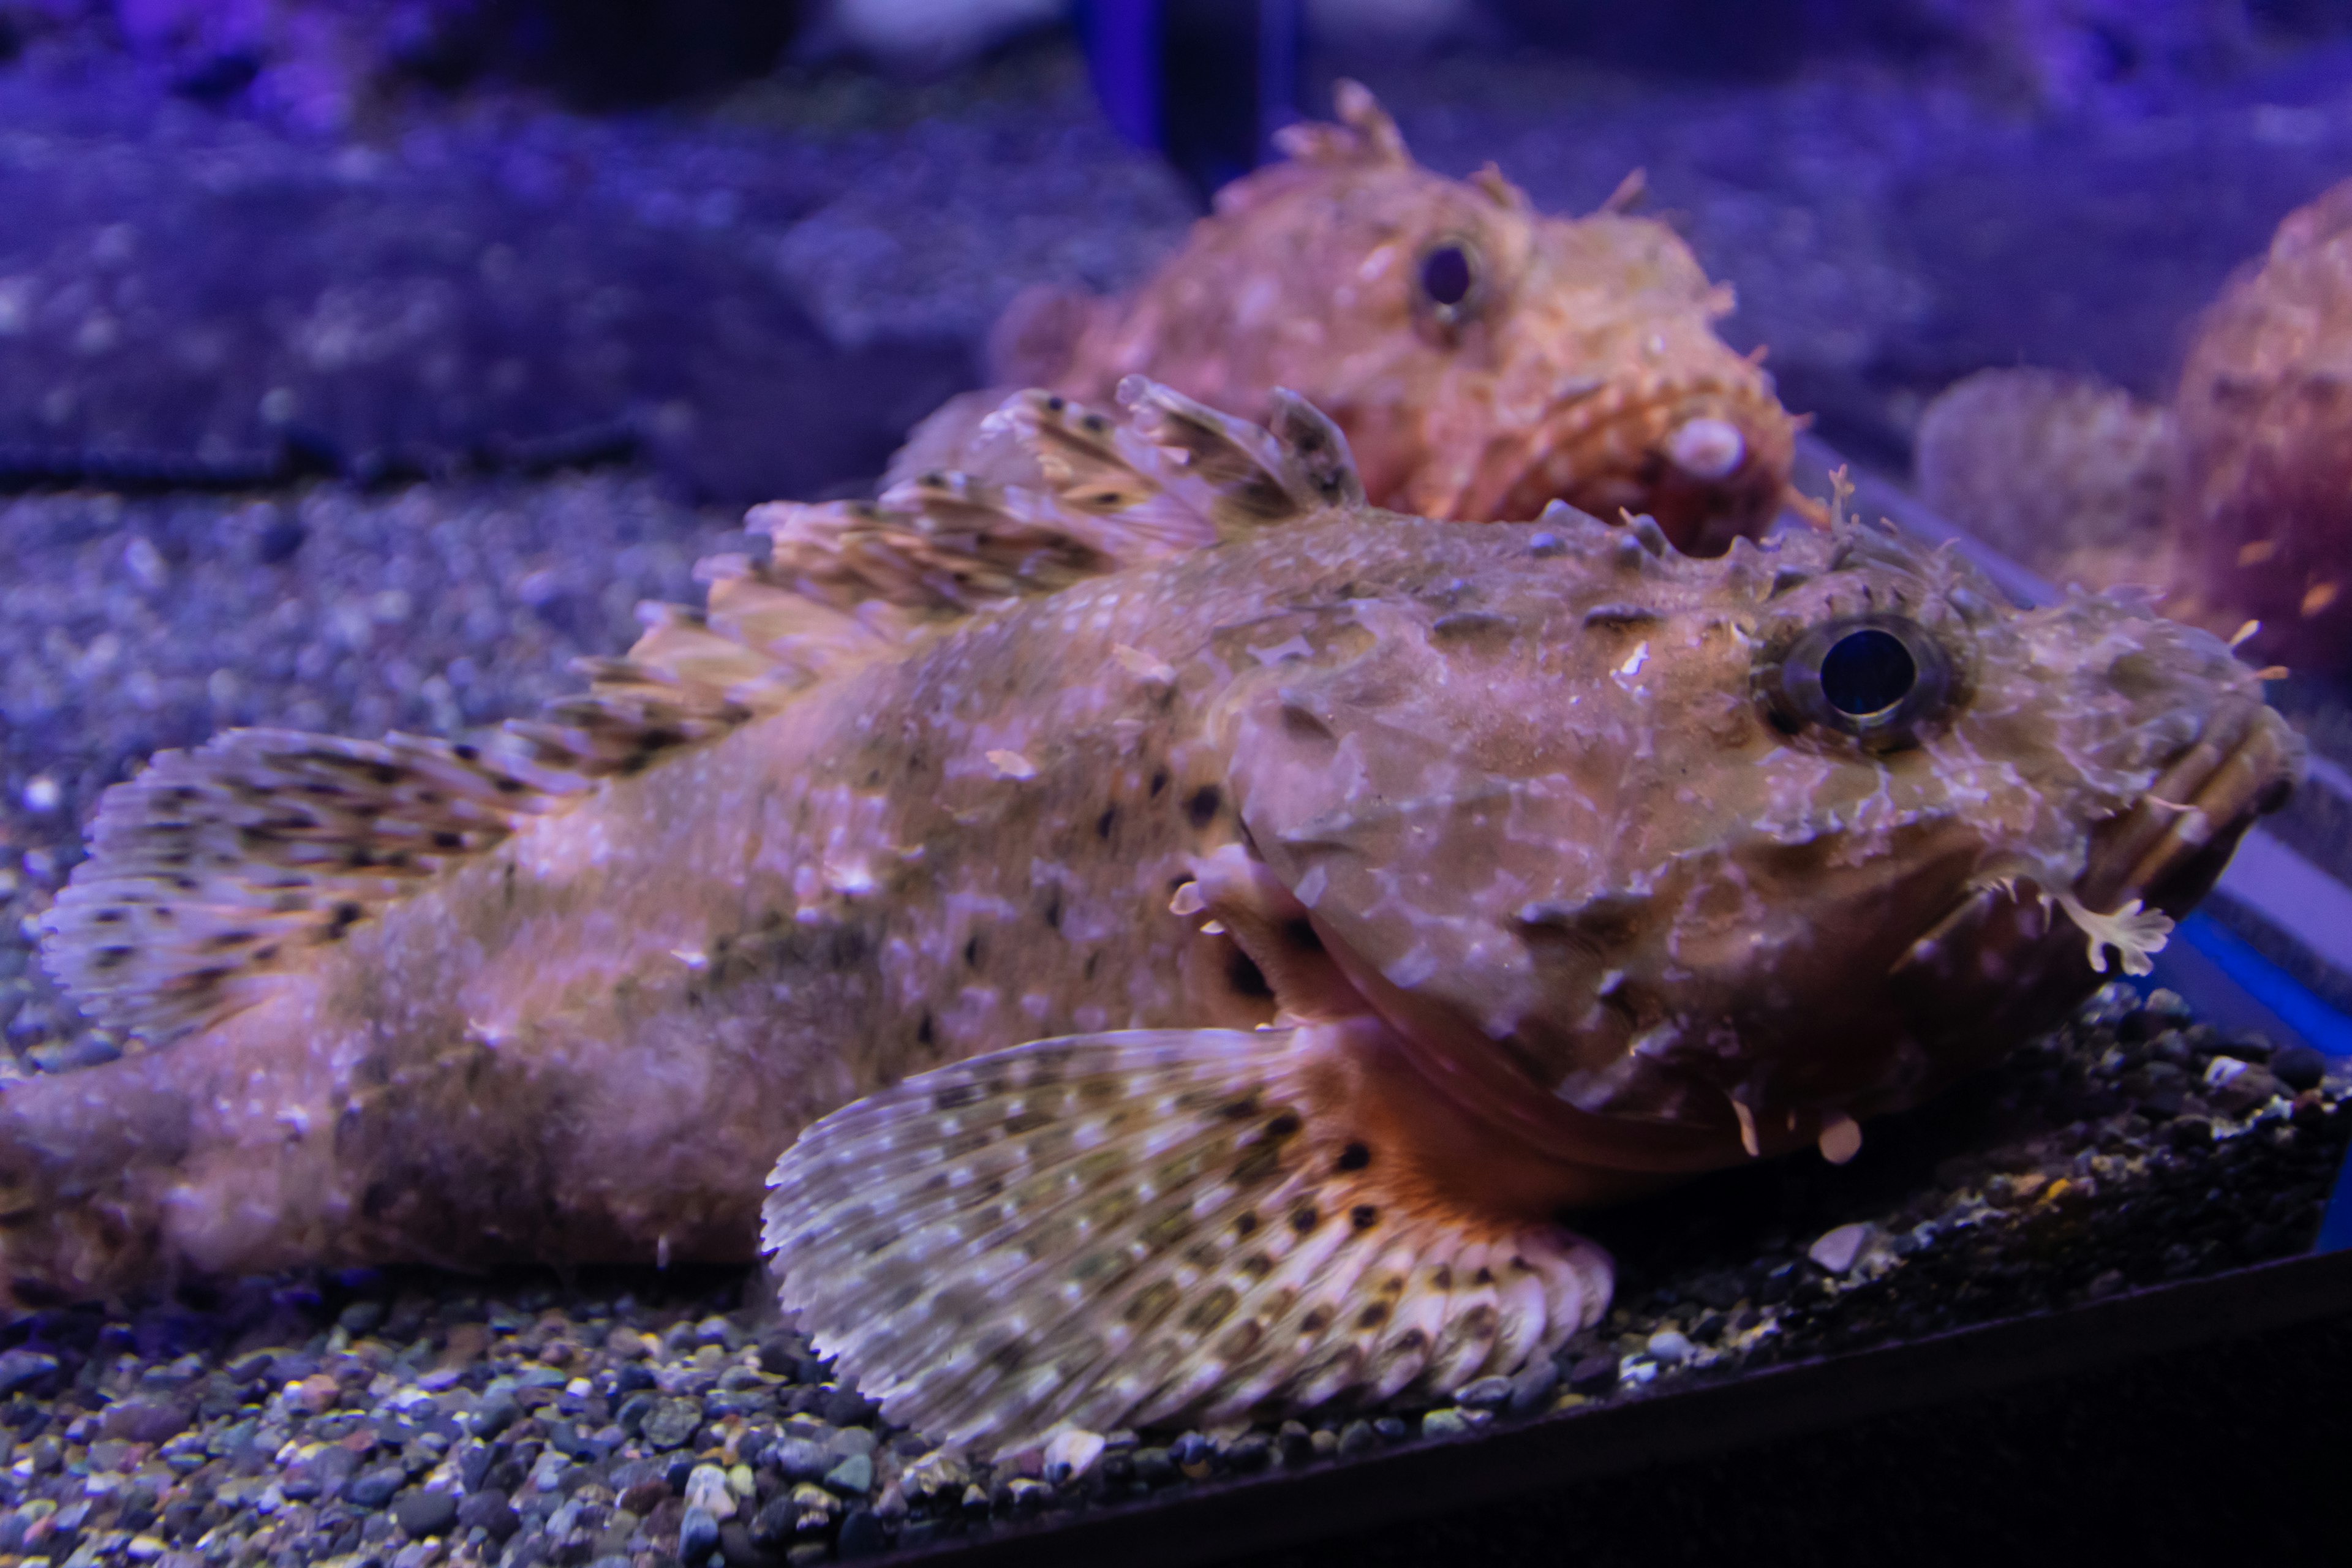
<point>416,1417</point>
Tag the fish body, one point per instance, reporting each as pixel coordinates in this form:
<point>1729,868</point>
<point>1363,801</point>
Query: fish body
<point>1188,953</point>
<point>1482,358</point>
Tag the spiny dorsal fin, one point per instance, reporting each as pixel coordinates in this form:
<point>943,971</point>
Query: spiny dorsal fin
<point>1365,133</point>
<point>219,867</point>
<point>1143,1228</point>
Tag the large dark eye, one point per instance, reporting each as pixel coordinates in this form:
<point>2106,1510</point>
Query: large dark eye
<point>1447,278</point>
<point>1866,672</point>
<point>1880,679</point>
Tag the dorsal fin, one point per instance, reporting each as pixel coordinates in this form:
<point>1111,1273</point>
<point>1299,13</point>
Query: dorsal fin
<point>1364,134</point>
<point>220,867</point>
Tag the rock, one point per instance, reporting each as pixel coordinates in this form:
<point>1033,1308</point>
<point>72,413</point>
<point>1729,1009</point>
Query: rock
<point>697,1536</point>
<point>19,1367</point>
<point>772,1526</point>
<point>813,1509</point>
<point>1356,1438</point>
<point>939,1474</point>
<point>851,1440</point>
<point>800,1459</point>
<point>497,1412</point>
<point>1390,1429</point>
<point>672,1422</point>
<point>736,1548</point>
<point>1592,1374</point>
<point>1443,1423</point>
<point>375,1488</point>
<point>1668,1347</point>
<point>489,1513</point>
<point>2249,1089</point>
<point>2298,1067</point>
<point>1154,1466</point>
<point>707,1489</point>
<point>316,1393</point>
<point>861,1536</point>
<point>146,1420</point>
<point>1071,1454</point>
<point>360,1317</point>
<point>1486,1394</point>
<point>1531,1387</point>
<point>854,1477</point>
<point>423,1513</point>
<point>847,1407</point>
<point>1837,1250</point>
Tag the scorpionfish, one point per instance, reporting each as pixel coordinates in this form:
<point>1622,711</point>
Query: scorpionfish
<point>2234,501</point>
<point>1482,358</point>
<point>1178,939</point>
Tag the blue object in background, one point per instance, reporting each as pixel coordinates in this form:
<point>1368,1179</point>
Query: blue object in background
<point>1204,83</point>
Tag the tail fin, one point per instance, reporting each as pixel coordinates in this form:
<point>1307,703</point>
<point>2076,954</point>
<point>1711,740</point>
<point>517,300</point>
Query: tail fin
<point>220,868</point>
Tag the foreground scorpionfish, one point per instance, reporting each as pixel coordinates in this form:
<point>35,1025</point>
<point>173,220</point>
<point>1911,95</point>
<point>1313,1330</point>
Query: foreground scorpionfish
<point>1367,890</point>
<point>1484,359</point>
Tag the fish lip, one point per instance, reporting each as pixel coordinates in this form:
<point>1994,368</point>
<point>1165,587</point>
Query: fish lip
<point>1517,481</point>
<point>2166,847</point>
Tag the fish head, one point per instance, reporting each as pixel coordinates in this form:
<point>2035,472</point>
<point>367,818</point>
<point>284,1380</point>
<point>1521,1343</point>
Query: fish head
<point>1663,861</point>
<point>1485,359</point>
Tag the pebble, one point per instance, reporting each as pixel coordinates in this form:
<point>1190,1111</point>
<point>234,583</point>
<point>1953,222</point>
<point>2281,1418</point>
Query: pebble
<point>672,1422</point>
<point>1837,1249</point>
<point>862,1536</point>
<point>1668,1347</point>
<point>490,1513</point>
<point>2298,1067</point>
<point>1531,1387</point>
<point>423,1513</point>
<point>1445,1422</point>
<point>707,1489</point>
<point>1071,1454</point>
<point>20,1367</point>
<point>1592,1374</point>
<point>801,1459</point>
<point>1486,1394</point>
<point>697,1536</point>
<point>1355,1437</point>
<point>854,1476</point>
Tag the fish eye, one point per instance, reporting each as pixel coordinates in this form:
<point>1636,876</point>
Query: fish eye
<point>1448,276</point>
<point>1880,678</point>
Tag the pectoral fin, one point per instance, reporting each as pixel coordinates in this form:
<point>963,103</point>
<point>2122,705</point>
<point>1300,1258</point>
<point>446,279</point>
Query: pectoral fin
<point>1138,1228</point>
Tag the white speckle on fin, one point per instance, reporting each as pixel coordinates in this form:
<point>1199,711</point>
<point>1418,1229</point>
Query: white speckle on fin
<point>1147,668</point>
<point>1012,765</point>
<point>1116,1230</point>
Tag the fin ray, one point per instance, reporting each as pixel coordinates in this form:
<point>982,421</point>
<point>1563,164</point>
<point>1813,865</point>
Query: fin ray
<point>1129,1228</point>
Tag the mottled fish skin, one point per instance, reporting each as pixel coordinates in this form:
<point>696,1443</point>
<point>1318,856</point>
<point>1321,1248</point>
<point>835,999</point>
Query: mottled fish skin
<point>1579,363</point>
<point>1553,862</point>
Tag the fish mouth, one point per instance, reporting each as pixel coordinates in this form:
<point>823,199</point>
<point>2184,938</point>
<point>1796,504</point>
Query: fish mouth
<point>1709,459</point>
<point>2169,848</point>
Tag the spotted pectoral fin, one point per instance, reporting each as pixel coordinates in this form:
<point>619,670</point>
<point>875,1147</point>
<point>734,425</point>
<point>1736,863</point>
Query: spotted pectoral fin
<point>1138,1228</point>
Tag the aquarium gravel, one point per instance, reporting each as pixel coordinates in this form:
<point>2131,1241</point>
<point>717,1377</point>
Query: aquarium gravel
<point>629,1417</point>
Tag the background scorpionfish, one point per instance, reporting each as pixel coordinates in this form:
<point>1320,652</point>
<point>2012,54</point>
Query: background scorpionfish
<point>2235,500</point>
<point>1368,889</point>
<point>1484,359</point>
